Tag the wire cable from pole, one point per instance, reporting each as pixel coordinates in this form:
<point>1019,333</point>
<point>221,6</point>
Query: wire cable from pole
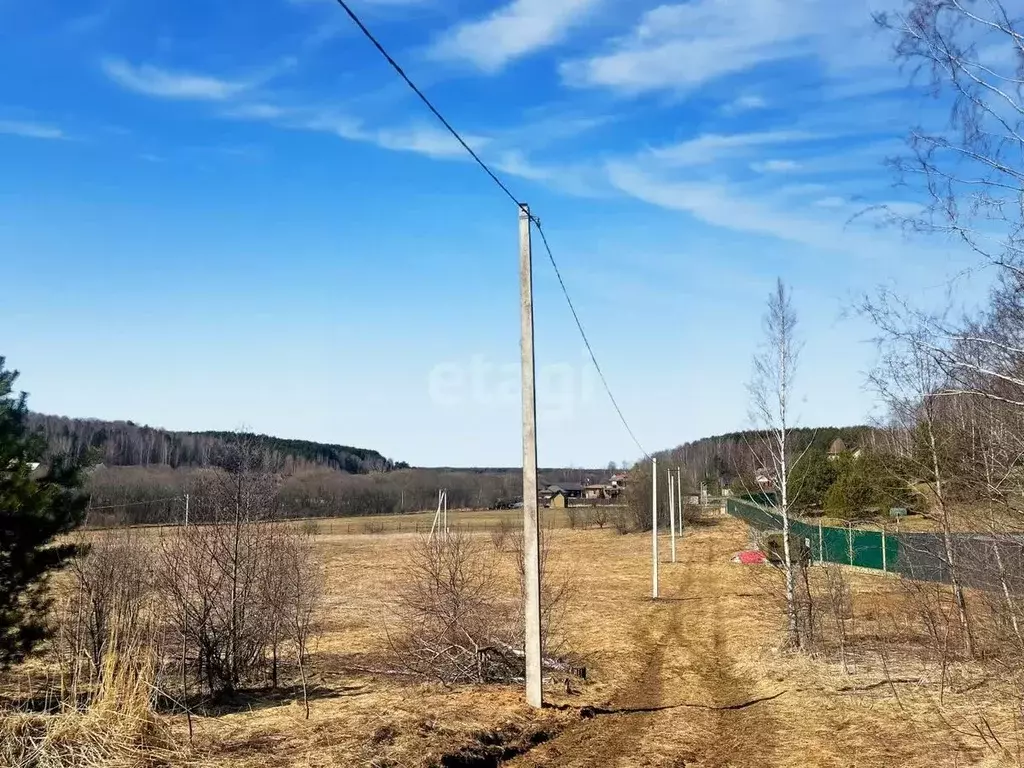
<point>583,335</point>
<point>408,81</point>
<point>504,188</point>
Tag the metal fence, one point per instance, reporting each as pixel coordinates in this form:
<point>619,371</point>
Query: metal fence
<point>985,562</point>
<point>865,549</point>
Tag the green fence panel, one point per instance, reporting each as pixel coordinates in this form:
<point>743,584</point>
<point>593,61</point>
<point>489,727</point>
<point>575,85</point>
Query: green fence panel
<point>867,549</point>
<point>847,546</point>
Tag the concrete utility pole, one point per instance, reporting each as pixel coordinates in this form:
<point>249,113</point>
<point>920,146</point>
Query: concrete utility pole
<point>679,493</point>
<point>672,510</point>
<point>531,522</point>
<point>654,527</point>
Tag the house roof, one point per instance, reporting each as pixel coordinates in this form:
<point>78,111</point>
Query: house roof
<point>569,487</point>
<point>837,447</point>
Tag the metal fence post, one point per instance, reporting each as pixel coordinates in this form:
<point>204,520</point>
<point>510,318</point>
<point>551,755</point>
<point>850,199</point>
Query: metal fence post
<point>821,545</point>
<point>884,564</point>
<point>849,540</point>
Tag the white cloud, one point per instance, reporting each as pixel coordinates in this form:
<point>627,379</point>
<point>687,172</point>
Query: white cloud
<point>684,46</point>
<point>166,84</point>
<point>31,130</point>
<point>711,147</point>
<point>256,111</point>
<point>517,29</point>
<point>425,140</point>
<point>832,201</point>
<point>745,104</point>
<point>774,166</point>
<point>419,139</point>
<point>736,208</point>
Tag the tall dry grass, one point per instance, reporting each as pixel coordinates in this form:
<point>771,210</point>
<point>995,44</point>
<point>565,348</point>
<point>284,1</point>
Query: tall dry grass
<point>118,727</point>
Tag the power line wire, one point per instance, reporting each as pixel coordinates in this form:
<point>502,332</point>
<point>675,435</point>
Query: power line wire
<point>136,503</point>
<point>586,341</point>
<point>401,73</point>
<point>504,188</point>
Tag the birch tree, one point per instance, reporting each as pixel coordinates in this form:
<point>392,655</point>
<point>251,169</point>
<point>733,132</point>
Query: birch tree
<point>771,392</point>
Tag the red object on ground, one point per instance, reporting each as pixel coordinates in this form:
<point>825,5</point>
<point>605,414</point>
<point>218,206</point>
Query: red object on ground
<point>750,557</point>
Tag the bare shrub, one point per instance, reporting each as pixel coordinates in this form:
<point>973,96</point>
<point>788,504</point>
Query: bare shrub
<point>295,597</point>
<point>455,627</point>
<point>237,585</point>
<point>573,516</point>
<point>106,608</point>
<point>557,589</point>
<point>500,535</point>
<point>836,607</point>
<point>310,527</point>
<point>373,526</point>
<point>456,621</point>
<point>692,513</point>
<point>623,521</point>
<point>600,516</point>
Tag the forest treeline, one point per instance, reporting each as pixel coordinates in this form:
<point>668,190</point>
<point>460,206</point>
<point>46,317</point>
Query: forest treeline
<point>127,444</point>
<point>729,459</point>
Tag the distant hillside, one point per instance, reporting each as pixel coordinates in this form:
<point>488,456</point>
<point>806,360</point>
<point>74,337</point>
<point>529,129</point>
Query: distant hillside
<point>125,443</point>
<point>731,455</point>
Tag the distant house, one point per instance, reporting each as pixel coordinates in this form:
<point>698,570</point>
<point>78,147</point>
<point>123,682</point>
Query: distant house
<point>837,448</point>
<point>618,481</point>
<point>595,492</point>
<point>558,500</point>
<point>763,478</point>
<point>569,490</point>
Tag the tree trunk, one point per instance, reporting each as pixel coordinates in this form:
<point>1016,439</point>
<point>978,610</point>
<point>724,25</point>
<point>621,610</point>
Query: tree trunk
<point>947,543</point>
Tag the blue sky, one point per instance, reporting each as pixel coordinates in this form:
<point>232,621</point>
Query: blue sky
<point>217,214</point>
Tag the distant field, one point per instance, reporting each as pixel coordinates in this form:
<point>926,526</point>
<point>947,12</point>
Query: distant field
<point>468,519</point>
<point>418,522</point>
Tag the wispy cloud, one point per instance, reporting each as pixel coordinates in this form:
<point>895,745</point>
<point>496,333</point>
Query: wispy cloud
<point>711,147</point>
<point>31,130</point>
<point>774,166</point>
<point>255,111</point>
<point>417,138</point>
<point>746,103</point>
<point>169,84</point>
<point>425,140</point>
<point>684,46</point>
<point>727,206</point>
<point>832,201</point>
<point>513,31</point>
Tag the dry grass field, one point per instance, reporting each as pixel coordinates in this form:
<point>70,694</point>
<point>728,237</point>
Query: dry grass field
<point>694,679</point>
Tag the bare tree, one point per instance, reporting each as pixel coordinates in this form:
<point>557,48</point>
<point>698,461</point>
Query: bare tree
<point>771,392</point>
<point>239,586</point>
<point>909,381</point>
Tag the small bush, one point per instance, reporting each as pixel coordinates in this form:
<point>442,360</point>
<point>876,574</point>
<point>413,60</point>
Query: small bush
<point>500,535</point>
<point>623,521</point>
<point>310,527</point>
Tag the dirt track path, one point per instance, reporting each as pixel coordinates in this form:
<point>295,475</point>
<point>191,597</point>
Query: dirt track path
<point>669,714</point>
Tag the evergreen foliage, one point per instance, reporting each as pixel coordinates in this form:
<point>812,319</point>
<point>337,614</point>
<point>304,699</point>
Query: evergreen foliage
<point>34,511</point>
